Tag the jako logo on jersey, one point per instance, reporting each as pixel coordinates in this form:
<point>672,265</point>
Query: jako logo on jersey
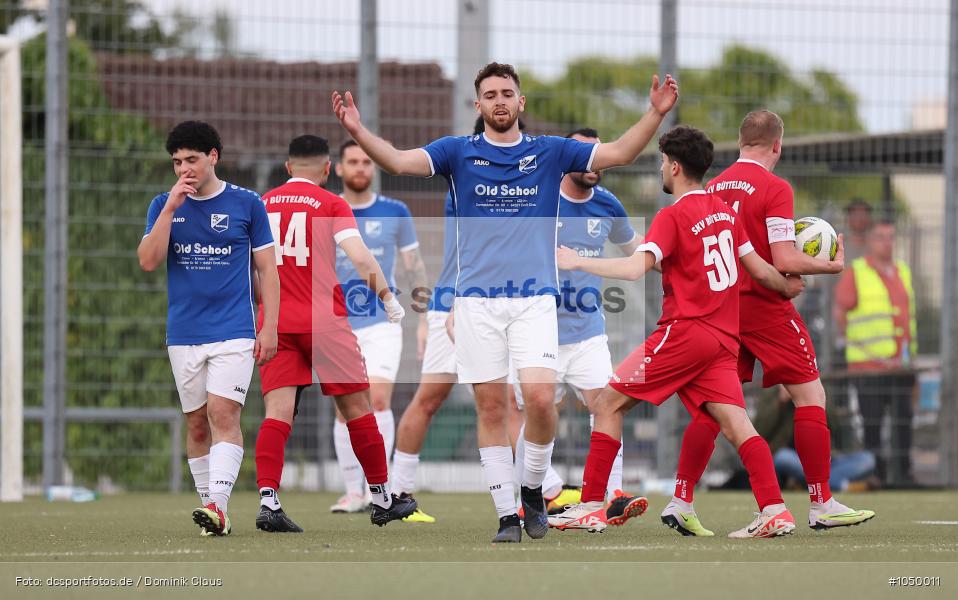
<point>179,219</point>
<point>527,164</point>
<point>480,163</point>
<point>374,228</point>
<point>594,227</point>
<point>219,223</point>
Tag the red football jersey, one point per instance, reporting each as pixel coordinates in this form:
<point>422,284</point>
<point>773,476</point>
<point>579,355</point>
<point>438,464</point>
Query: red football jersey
<point>699,241</point>
<point>767,207</point>
<point>307,223</point>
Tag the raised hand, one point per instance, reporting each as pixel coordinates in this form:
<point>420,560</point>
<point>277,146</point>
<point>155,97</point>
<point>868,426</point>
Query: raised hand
<point>663,97</point>
<point>345,110</point>
<point>183,187</point>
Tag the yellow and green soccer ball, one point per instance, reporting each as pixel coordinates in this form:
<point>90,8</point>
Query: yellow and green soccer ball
<point>816,238</point>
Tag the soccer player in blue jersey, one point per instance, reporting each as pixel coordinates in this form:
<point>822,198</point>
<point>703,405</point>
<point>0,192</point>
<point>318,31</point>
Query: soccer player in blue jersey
<point>505,188</point>
<point>438,364</point>
<point>387,228</point>
<point>210,233</point>
<point>589,215</point>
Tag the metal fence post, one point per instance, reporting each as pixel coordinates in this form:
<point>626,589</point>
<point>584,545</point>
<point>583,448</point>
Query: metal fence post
<point>948,422</point>
<point>55,250</point>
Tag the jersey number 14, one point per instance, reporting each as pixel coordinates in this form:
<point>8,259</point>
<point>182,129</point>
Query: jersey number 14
<point>720,254</point>
<point>294,242</point>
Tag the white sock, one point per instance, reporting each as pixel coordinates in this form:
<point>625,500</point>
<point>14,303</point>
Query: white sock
<point>552,484</point>
<point>349,465</point>
<point>200,468</point>
<point>387,427</point>
<point>269,498</point>
<point>225,461</point>
<point>683,506</point>
<point>520,458</point>
<point>615,476</point>
<point>537,460</point>
<point>404,472</point>
<point>496,464</point>
<point>380,494</point>
<point>774,509</point>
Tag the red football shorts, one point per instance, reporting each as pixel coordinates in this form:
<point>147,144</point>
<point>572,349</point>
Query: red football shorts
<point>681,357</point>
<point>333,355</point>
<point>785,351</point>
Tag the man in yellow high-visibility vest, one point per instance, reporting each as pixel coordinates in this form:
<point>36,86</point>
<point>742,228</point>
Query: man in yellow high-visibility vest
<point>875,316</point>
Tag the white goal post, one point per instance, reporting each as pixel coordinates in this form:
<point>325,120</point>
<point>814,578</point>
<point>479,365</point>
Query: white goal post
<point>11,275</point>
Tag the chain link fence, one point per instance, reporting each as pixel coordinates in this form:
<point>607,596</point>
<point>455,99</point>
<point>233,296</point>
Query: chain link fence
<point>855,82</point>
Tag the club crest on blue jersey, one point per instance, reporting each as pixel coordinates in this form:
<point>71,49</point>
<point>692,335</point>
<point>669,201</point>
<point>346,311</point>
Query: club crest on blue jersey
<point>374,228</point>
<point>527,164</point>
<point>219,222</point>
<point>594,227</point>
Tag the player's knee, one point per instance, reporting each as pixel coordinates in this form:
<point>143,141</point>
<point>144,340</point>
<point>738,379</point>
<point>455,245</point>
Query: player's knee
<point>199,432</point>
<point>491,414</point>
<point>808,394</point>
<point>223,419</point>
<point>379,401</point>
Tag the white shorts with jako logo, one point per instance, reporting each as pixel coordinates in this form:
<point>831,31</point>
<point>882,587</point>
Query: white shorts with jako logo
<point>221,368</point>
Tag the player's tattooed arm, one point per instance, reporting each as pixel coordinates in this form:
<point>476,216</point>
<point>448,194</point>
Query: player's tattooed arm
<point>384,154</point>
<point>624,151</point>
<point>789,259</point>
<point>629,268</point>
<point>416,269</point>
<point>768,276</point>
<point>419,283</point>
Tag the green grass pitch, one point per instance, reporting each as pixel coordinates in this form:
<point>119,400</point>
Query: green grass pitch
<point>152,535</point>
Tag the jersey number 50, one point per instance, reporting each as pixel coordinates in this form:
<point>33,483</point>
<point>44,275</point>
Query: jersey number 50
<point>294,242</point>
<point>720,253</point>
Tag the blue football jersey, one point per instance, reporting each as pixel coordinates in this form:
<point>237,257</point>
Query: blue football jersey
<point>209,290</point>
<point>506,200</point>
<point>386,226</point>
<point>444,291</point>
<point>584,226</point>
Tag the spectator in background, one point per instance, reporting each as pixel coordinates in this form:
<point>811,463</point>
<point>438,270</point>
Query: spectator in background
<point>850,470</point>
<point>858,221</point>
<point>875,314</point>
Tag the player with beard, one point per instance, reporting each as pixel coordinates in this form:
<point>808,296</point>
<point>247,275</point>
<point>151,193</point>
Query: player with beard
<point>589,215</point>
<point>505,188</point>
<point>386,227</point>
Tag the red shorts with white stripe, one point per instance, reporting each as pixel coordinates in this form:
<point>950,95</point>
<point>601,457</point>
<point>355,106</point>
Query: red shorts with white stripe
<point>681,357</point>
<point>785,351</point>
<point>333,355</point>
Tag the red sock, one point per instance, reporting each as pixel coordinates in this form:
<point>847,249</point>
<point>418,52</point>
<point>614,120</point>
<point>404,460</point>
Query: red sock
<point>757,459</point>
<point>270,451</point>
<point>369,447</point>
<point>697,446</point>
<point>598,466</point>
<point>813,443</point>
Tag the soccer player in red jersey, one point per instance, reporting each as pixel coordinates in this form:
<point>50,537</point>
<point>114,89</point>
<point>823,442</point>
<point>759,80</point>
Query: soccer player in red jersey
<point>771,329</point>
<point>314,333</point>
<point>701,247</point>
